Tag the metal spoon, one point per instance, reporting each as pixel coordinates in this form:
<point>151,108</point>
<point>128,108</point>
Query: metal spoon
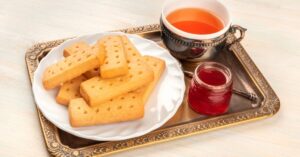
<point>250,96</point>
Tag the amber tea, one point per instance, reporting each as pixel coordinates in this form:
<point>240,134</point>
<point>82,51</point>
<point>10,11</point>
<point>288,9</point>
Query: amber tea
<point>195,21</point>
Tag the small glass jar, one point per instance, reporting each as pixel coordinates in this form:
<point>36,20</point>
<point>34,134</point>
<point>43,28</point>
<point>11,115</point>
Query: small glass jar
<point>210,89</point>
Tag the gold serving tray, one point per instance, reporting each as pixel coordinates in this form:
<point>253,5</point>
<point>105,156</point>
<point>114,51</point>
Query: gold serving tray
<point>247,77</point>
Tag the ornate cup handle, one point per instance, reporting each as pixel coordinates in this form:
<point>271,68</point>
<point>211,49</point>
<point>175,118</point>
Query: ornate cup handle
<point>241,30</point>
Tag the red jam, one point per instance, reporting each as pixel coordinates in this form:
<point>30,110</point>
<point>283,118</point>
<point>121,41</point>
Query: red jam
<point>210,89</point>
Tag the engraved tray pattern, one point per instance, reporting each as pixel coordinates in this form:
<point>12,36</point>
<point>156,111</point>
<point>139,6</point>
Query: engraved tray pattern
<point>269,106</point>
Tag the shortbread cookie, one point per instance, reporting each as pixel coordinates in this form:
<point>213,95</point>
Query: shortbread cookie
<point>123,108</point>
<point>75,47</point>
<point>126,107</point>
<point>115,62</point>
<point>69,90</point>
<point>98,90</point>
<point>158,67</point>
<point>69,68</point>
<point>81,46</point>
<point>131,52</point>
<point>99,50</point>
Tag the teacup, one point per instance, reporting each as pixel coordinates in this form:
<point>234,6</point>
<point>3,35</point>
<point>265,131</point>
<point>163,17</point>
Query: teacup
<point>185,45</point>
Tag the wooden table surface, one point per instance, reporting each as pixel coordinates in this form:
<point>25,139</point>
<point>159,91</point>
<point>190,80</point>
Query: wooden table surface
<point>272,41</point>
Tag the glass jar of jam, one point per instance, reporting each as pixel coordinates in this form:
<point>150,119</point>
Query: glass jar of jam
<point>210,89</point>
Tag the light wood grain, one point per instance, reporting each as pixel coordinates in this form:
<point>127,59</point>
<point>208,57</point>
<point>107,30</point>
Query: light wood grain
<point>272,41</point>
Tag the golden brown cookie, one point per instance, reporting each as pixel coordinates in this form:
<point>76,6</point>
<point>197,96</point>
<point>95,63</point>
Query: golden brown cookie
<point>69,90</point>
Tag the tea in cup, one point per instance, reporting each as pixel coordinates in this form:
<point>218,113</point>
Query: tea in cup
<point>191,28</point>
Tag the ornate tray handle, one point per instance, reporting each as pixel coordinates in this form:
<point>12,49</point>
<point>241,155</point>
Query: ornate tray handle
<point>233,29</point>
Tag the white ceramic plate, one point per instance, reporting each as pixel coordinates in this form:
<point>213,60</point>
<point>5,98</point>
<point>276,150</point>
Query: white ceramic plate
<point>161,106</point>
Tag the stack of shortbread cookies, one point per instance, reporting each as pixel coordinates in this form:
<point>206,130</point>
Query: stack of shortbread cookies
<point>107,82</point>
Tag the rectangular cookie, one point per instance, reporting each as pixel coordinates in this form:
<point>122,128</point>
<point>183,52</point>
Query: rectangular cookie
<point>75,47</point>
<point>99,49</point>
<point>80,46</point>
<point>69,90</point>
<point>69,68</point>
<point>131,51</point>
<point>98,90</point>
<point>115,62</point>
<point>126,107</point>
<point>123,108</point>
<point>158,66</point>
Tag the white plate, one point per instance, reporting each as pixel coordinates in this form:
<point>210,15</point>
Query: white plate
<point>161,106</point>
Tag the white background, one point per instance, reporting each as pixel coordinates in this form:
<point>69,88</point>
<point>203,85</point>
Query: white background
<point>272,40</point>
